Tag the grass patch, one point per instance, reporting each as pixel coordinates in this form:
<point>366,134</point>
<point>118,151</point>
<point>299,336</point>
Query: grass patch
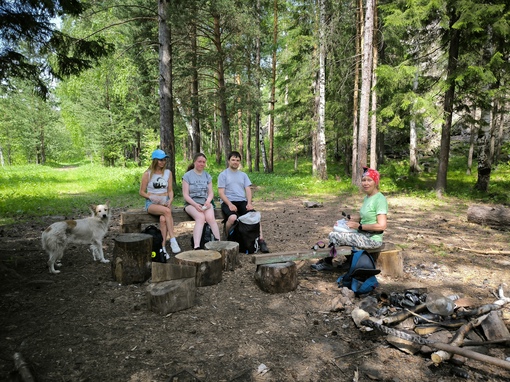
<point>27,192</point>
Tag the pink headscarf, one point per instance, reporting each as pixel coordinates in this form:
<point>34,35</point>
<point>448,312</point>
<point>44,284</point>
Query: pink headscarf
<point>371,173</point>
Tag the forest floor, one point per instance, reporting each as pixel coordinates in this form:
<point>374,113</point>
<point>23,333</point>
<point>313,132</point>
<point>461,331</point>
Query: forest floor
<point>81,325</point>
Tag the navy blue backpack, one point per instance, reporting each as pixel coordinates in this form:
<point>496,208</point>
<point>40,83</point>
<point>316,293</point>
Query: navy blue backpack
<point>361,275</point>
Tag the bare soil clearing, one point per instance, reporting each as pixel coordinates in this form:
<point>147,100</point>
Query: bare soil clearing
<point>80,325</point>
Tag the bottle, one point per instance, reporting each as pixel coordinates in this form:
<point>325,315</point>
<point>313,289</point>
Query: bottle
<point>439,304</point>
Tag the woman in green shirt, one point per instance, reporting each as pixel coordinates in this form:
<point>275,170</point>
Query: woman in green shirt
<point>370,229</point>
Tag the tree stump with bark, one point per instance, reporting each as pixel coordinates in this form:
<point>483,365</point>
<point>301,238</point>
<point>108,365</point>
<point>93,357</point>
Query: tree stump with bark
<point>132,258</point>
<point>171,296</point>
<point>229,251</point>
<point>171,271</point>
<point>277,277</point>
<point>208,264</point>
<point>492,216</point>
<point>391,263</point>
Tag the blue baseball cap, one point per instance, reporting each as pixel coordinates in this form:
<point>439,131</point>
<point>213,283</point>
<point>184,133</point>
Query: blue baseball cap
<point>159,154</point>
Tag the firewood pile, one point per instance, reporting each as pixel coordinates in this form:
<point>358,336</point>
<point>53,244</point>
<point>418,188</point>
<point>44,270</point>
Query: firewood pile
<point>446,328</point>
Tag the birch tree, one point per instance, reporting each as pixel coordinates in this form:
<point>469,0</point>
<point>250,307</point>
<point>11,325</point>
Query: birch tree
<point>320,154</point>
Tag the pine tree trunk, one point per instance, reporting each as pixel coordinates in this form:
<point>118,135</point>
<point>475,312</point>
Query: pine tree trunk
<point>195,121</point>
<point>222,90</point>
<point>167,138</point>
<point>359,22</point>
<point>453,54</point>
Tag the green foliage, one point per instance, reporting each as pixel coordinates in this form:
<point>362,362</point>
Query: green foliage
<point>32,47</point>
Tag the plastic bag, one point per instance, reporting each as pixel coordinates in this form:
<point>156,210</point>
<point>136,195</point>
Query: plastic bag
<point>341,226</point>
<point>159,199</point>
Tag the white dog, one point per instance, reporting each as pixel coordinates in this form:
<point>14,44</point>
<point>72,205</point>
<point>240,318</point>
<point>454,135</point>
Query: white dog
<point>90,230</point>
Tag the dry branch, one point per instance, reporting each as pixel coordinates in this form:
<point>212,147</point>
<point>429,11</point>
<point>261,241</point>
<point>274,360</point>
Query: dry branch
<point>438,345</point>
<point>404,314</point>
<point>457,340</point>
<point>485,251</point>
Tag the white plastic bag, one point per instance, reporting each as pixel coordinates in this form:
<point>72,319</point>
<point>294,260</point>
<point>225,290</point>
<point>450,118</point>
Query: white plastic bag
<point>341,226</point>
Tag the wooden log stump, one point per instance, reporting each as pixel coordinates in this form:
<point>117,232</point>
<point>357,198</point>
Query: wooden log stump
<point>229,251</point>
<point>207,263</point>
<point>391,263</point>
<point>132,258</point>
<point>171,296</point>
<point>277,277</point>
<point>170,271</point>
<point>492,216</point>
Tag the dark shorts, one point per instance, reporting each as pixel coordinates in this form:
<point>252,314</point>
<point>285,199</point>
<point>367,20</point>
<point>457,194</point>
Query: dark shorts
<point>241,209</point>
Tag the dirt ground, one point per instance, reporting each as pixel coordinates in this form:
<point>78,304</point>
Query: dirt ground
<point>80,325</point>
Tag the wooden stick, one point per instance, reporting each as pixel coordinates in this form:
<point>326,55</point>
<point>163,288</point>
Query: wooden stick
<point>471,354</point>
<point>484,309</point>
<point>438,345</point>
<point>485,251</point>
<point>404,314</point>
<point>457,340</point>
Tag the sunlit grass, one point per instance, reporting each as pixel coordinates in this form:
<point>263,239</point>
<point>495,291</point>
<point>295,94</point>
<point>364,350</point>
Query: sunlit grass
<point>30,191</point>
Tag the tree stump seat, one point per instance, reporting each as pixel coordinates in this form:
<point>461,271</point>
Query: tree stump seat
<point>171,296</point>
<point>277,277</point>
<point>208,264</point>
<point>172,288</point>
<point>132,258</point>
<point>229,251</point>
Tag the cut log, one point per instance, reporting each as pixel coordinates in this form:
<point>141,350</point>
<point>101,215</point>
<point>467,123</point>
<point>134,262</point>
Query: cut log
<point>208,265</point>
<point>391,263</point>
<point>229,251</point>
<point>169,271</point>
<point>277,278</point>
<point>132,220</point>
<point>132,258</point>
<point>492,216</point>
<point>171,296</point>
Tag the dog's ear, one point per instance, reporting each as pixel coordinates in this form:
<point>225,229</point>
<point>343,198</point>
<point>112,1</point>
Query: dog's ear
<point>93,208</point>
<point>108,203</point>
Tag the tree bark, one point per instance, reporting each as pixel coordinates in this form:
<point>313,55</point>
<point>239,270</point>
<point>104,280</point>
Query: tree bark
<point>222,90</point>
<point>277,278</point>
<point>484,154</point>
<point>414,167</point>
<point>257,85</point>
<point>492,216</point>
<point>167,138</point>
<point>273,90</point>
<point>321,165</point>
<point>373,106</point>
<point>359,22</point>
<point>444,153</point>
<point>195,121</point>
<point>366,81</point>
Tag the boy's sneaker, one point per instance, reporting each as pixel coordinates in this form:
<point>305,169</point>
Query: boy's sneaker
<point>175,247</point>
<point>321,266</point>
<point>263,246</point>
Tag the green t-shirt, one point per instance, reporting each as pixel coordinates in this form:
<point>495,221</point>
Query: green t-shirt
<point>373,206</point>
